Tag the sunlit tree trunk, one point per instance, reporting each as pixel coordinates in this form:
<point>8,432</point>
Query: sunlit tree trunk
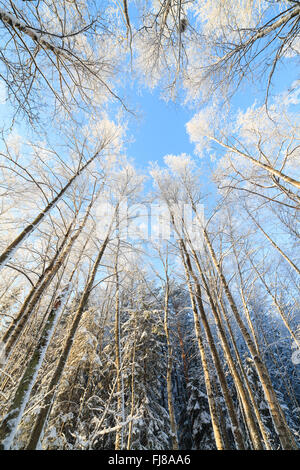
<point>8,253</point>
<point>217,430</point>
<point>254,432</point>
<point>15,330</point>
<point>182,350</point>
<point>132,403</point>
<point>275,245</point>
<point>9,425</point>
<point>169,362</point>
<point>227,396</point>
<point>272,171</point>
<point>42,417</point>
<point>278,307</point>
<point>118,361</point>
<point>13,333</point>
<point>286,438</point>
<point>249,389</point>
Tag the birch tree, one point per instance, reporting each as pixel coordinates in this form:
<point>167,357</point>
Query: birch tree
<point>59,49</point>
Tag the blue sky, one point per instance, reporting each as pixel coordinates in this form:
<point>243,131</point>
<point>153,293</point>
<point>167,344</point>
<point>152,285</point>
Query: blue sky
<point>159,131</point>
<point>161,128</point>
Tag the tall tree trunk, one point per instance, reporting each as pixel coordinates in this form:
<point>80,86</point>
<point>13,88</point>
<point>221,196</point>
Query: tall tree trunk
<point>284,433</point>
<point>274,244</point>
<point>15,330</point>
<point>132,406</point>
<point>10,250</point>
<point>221,375</point>
<point>34,290</point>
<point>169,363</point>
<point>182,350</point>
<point>278,307</point>
<point>118,362</point>
<point>42,417</point>
<point>249,389</point>
<point>10,423</point>
<point>272,171</point>
<point>217,430</point>
<point>254,431</point>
